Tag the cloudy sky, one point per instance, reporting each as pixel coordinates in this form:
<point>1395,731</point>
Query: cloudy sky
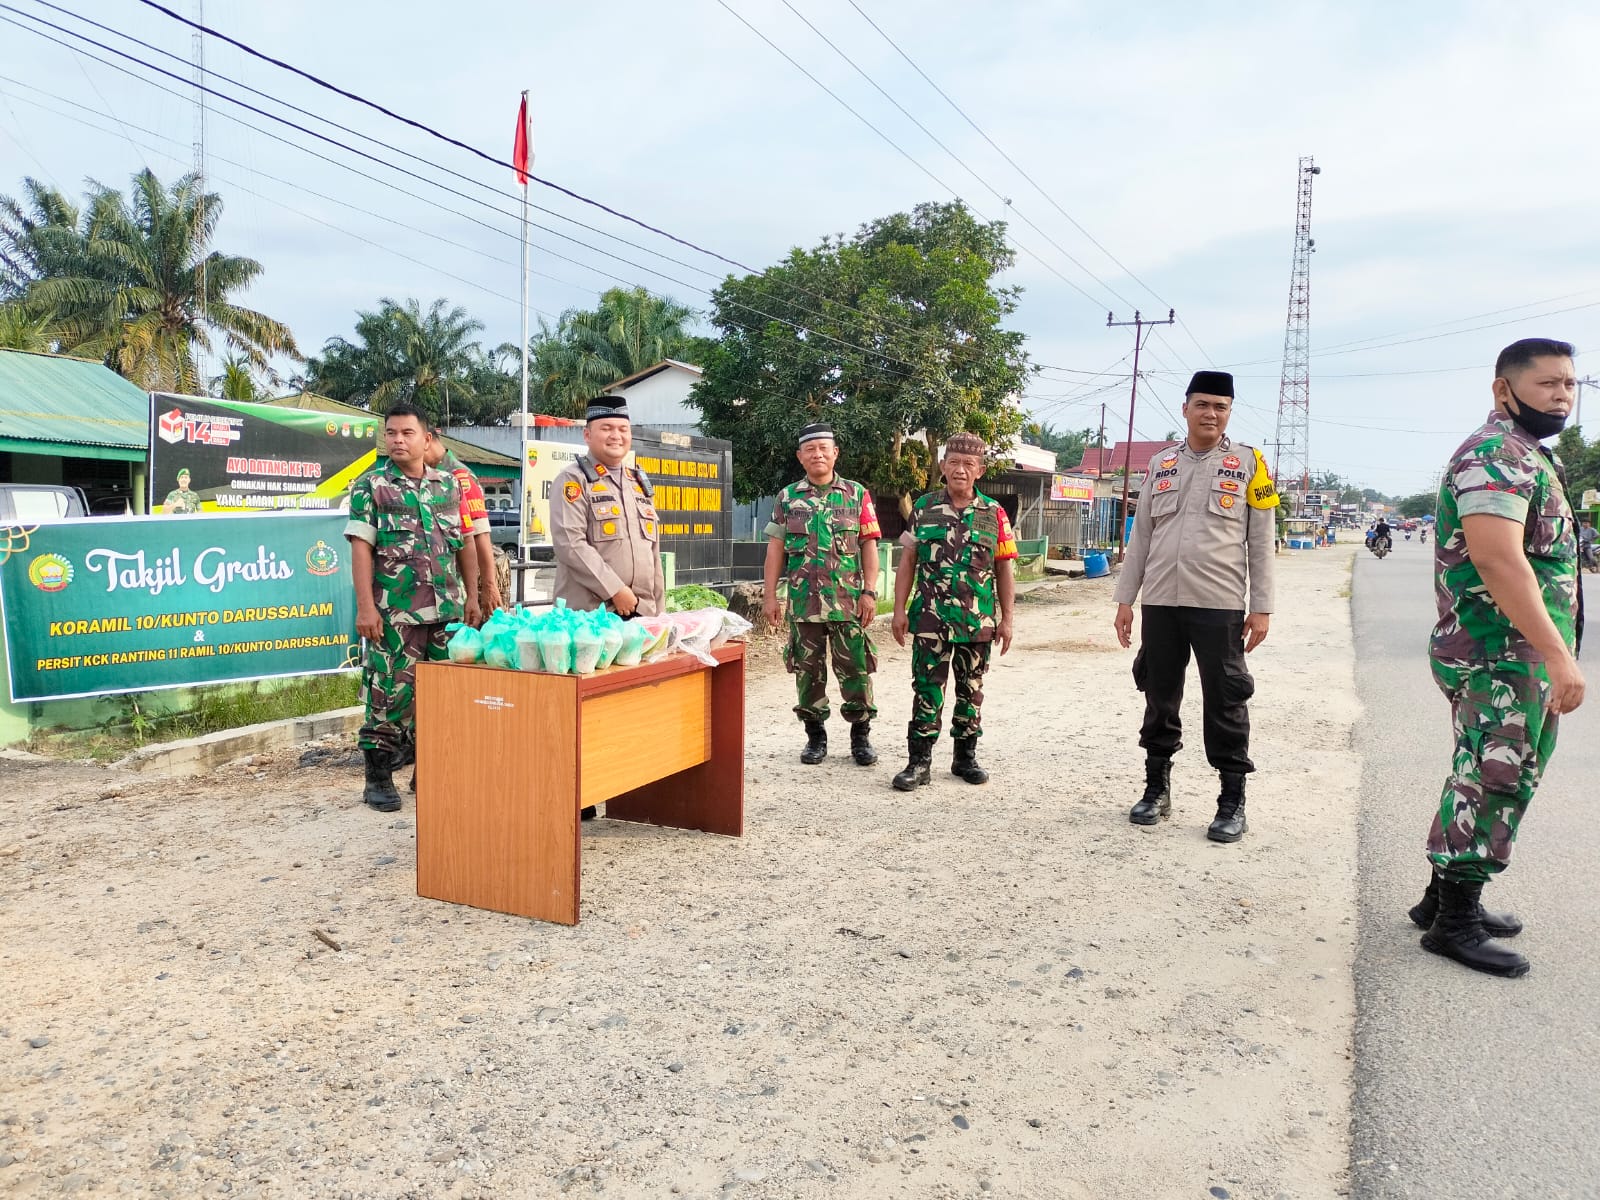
<point>1454,212</point>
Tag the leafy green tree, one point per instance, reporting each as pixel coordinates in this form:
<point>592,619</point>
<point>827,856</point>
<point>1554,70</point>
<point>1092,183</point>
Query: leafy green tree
<point>1067,444</point>
<point>1582,461</point>
<point>894,336</point>
<point>588,350</point>
<point>133,280</point>
<point>1418,505</point>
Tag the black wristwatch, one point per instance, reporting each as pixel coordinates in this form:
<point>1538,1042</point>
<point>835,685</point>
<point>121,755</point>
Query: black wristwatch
<point>869,592</point>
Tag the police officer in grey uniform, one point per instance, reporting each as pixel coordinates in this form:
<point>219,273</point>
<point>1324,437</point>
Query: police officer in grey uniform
<point>1201,554</point>
<point>603,522</point>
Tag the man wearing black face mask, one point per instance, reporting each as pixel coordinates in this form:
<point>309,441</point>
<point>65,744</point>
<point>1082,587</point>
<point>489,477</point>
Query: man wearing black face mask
<point>1505,649</point>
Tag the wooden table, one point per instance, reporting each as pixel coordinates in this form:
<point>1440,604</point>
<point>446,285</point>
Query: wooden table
<point>506,759</point>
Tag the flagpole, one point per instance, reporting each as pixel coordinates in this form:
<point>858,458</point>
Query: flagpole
<point>526,507</point>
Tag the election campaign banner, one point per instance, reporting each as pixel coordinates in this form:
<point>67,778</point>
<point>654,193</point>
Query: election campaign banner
<point>131,604</point>
<point>1072,491</point>
<point>233,456</point>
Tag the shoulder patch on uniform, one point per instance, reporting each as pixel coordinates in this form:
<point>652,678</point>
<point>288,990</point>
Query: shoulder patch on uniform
<point>572,491</point>
<point>1263,492</point>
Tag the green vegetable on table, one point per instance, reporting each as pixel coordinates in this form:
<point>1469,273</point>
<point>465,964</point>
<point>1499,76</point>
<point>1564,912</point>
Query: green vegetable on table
<point>692,596</point>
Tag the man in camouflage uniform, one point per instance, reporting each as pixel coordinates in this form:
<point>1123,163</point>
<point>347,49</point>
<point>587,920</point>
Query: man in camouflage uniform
<point>413,574</point>
<point>474,515</point>
<point>1504,649</point>
<point>957,559</point>
<point>823,539</point>
<point>181,500</point>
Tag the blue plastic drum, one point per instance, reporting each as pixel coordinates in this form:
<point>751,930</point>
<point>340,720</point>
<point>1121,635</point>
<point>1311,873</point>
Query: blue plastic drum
<point>1095,565</point>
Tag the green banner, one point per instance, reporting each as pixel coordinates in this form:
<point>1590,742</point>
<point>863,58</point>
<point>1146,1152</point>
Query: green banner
<point>132,604</point>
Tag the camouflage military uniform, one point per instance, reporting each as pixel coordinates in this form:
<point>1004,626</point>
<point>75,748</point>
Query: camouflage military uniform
<point>952,611</point>
<point>1495,681</point>
<point>823,529</point>
<point>414,527</point>
<point>181,501</point>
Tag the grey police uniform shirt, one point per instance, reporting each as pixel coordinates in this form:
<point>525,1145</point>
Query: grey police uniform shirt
<point>1197,542</point>
<point>604,529</point>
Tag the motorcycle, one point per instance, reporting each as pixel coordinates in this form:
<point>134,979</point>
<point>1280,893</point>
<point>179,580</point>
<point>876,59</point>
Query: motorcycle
<point>1588,559</point>
<point>1408,535</point>
<point>1380,546</point>
<point>1424,537</point>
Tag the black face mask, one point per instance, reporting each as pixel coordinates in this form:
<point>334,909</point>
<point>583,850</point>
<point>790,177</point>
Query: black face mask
<point>1536,424</point>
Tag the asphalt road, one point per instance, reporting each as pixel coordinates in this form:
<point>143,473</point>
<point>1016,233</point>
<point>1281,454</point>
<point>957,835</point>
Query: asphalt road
<point>1469,1086</point>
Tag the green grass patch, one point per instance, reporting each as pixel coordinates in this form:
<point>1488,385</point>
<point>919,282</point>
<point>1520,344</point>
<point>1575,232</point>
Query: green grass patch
<point>139,718</point>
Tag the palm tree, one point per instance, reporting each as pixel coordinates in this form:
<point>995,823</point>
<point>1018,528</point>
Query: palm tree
<point>436,353</point>
<point>37,241</point>
<point>236,381</point>
<point>401,353</point>
<point>589,350</point>
<point>21,329</point>
<point>138,286</point>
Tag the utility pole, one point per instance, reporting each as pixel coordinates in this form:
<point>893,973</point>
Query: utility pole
<point>1140,328</point>
<point>1577,409</point>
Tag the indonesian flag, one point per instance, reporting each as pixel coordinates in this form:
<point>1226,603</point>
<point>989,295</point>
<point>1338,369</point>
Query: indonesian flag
<point>519,149</point>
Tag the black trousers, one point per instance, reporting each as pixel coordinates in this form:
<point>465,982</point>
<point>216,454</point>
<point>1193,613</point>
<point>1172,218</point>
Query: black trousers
<point>1216,636</point>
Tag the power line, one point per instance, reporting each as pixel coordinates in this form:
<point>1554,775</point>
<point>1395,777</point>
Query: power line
<point>1011,208</point>
<point>812,332</point>
<point>506,165</point>
<point>376,141</point>
<point>488,291</point>
<point>1016,166</point>
<point>899,149</point>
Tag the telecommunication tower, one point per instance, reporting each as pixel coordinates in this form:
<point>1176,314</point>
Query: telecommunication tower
<point>1292,460</point>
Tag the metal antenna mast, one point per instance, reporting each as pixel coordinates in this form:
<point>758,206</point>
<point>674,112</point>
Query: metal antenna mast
<point>1291,465</point>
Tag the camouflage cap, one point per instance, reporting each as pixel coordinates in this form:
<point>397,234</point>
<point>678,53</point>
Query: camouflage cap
<point>966,443</point>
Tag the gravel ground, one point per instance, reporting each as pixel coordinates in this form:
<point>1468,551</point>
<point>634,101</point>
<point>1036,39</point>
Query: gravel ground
<point>964,991</point>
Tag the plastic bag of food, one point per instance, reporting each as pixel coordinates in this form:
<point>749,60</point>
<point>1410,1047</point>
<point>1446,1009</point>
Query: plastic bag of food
<point>661,639</point>
<point>634,637</point>
<point>611,629</point>
<point>465,644</point>
<point>733,627</point>
<point>696,630</point>
<point>529,657</point>
<point>501,651</point>
<point>587,645</point>
<point>555,649</point>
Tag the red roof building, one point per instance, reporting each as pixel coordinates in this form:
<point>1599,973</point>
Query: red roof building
<point>1100,462</point>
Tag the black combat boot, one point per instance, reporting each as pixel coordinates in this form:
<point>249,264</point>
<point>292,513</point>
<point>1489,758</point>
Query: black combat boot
<point>1156,803</point>
<point>918,769</point>
<point>1496,925</point>
<point>380,792</point>
<point>1458,933</point>
<point>964,763</point>
<point>816,743</point>
<point>861,744</point>
<point>1229,824</point>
